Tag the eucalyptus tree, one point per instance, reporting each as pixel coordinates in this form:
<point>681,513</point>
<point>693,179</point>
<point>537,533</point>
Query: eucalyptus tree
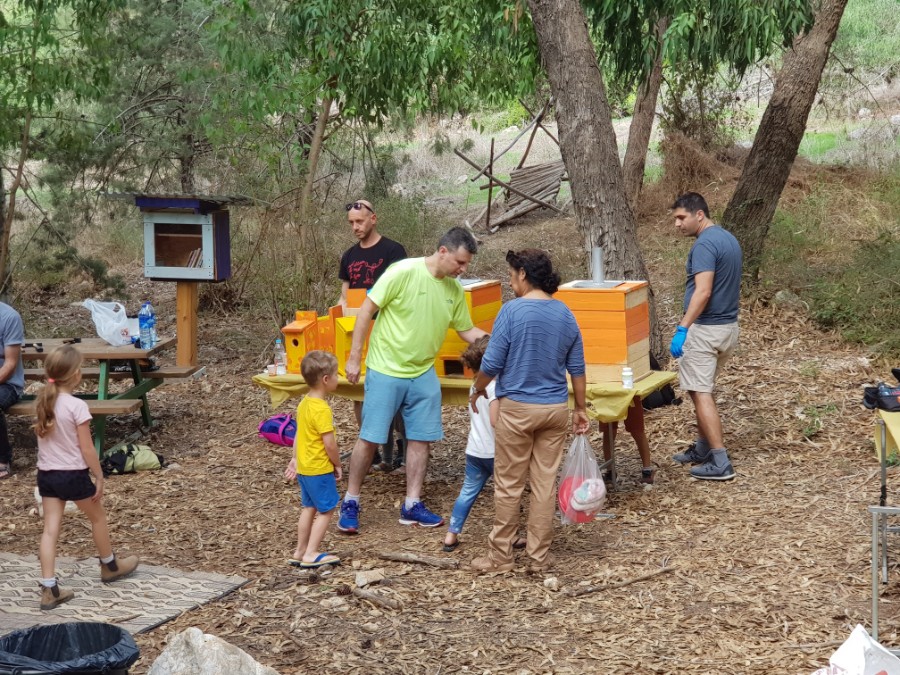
<point>639,39</point>
<point>50,50</point>
<point>751,208</point>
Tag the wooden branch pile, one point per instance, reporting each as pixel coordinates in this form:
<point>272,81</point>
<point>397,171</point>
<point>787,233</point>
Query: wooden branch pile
<point>541,180</point>
<point>529,187</point>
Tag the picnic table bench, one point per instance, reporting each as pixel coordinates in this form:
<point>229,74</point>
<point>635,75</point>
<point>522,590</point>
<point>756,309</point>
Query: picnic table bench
<point>102,401</point>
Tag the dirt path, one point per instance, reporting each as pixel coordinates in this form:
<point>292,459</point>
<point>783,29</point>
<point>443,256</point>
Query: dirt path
<point>768,570</point>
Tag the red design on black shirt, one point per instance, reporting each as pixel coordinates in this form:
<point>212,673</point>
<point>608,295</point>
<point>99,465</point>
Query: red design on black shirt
<point>363,273</point>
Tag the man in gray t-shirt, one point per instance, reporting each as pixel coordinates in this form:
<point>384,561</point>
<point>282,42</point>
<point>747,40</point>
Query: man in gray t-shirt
<point>12,377</point>
<point>708,331</point>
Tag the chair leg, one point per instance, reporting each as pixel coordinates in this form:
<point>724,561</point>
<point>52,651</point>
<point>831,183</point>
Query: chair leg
<point>875,589</point>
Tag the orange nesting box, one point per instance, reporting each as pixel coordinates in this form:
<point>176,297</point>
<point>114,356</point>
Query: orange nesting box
<point>483,298</point>
<point>615,327</point>
<point>301,336</point>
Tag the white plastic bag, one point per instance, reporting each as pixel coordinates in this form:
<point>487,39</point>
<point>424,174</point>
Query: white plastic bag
<point>582,493</point>
<point>111,321</point>
<point>861,655</point>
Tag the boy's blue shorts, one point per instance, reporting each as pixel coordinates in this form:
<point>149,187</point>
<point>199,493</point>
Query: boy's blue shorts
<point>318,492</point>
<point>418,399</point>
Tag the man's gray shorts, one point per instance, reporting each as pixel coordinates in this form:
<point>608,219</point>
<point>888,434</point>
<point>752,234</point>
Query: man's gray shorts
<point>706,350</point>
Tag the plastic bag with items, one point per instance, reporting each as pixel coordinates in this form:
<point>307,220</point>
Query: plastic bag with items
<point>582,492</point>
<point>110,320</point>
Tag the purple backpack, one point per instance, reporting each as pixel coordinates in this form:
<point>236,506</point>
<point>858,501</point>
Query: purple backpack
<point>279,429</point>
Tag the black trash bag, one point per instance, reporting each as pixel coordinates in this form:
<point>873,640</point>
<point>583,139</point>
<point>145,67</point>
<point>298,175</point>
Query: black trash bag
<point>69,649</point>
<point>660,397</point>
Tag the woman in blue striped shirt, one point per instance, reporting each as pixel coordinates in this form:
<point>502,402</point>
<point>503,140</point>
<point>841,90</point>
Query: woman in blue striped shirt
<point>535,342</point>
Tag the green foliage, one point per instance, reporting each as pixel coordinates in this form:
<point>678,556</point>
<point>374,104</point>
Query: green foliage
<point>869,36</point>
<point>49,49</point>
<point>863,301</point>
<point>704,107</point>
<point>851,289</point>
<point>705,34</point>
<point>381,57</point>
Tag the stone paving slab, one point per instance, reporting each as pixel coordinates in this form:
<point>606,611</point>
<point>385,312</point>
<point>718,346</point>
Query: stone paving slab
<point>151,596</point>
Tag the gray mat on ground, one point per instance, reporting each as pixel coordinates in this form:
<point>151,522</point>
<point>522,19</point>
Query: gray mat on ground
<point>146,599</point>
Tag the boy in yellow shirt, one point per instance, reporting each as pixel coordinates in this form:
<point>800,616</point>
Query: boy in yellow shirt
<point>317,460</point>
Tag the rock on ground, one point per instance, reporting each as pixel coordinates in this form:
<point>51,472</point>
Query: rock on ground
<point>193,652</point>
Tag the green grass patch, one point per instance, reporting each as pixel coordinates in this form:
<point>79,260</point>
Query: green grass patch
<point>816,144</point>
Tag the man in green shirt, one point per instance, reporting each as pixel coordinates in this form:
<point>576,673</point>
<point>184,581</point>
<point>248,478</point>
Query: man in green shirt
<point>417,300</point>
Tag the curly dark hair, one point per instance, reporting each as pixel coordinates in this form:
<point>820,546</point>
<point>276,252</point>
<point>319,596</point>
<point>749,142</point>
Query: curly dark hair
<point>475,352</point>
<point>538,268</point>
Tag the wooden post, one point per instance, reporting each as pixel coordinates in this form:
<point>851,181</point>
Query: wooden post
<point>187,295</point>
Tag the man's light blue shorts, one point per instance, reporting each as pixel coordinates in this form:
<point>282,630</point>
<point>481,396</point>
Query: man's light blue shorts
<point>418,399</point>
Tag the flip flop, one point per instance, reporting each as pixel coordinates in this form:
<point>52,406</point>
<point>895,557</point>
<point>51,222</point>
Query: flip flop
<point>293,562</point>
<point>449,548</point>
<point>321,560</point>
<point>520,542</point>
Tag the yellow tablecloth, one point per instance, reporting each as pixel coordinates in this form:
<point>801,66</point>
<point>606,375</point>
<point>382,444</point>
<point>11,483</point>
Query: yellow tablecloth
<point>607,402</point>
<point>454,390</point>
<point>892,433</point>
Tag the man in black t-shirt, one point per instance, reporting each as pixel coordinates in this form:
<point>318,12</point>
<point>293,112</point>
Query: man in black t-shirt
<point>363,263</point>
<point>361,266</point>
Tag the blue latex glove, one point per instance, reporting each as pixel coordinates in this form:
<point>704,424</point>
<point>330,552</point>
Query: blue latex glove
<point>676,348</point>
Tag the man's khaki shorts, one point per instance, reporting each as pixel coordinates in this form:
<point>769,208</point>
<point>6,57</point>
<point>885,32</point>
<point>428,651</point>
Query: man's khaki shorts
<point>706,350</point>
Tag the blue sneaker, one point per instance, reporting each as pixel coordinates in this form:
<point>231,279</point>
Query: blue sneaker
<point>349,520</point>
<point>419,515</point>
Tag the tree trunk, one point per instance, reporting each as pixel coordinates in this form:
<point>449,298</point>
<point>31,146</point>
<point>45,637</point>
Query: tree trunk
<point>315,151</point>
<point>588,142</point>
<point>10,214</point>
<point>642,123</point>
<point>186,164</point>
<point>752,206</point>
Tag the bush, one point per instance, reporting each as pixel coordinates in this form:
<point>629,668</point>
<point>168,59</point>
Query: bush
<point>705,108</point>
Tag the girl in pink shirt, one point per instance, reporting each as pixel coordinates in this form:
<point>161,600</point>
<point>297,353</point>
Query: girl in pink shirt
<point>66,460</point>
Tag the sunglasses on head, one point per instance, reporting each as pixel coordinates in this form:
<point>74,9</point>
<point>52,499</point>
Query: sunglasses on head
<point>359,206</point>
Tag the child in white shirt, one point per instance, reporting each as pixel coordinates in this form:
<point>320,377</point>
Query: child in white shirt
<point>479,449</point>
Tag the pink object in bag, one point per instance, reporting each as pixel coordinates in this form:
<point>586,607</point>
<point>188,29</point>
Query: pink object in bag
<point>279,429</point>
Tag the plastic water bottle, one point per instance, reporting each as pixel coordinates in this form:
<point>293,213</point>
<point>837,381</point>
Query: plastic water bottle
<point>627,378</point>
<point>153,334</point>
<point>145,324</point>
<point>280,358</point>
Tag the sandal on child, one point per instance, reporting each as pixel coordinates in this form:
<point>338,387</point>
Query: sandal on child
<point>321,560</point>
<point>449,548</point>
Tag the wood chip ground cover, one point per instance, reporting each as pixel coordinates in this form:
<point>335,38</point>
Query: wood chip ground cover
<point>770,571</point>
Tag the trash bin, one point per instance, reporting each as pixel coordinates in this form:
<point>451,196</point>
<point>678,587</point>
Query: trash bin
<point>69,649</point>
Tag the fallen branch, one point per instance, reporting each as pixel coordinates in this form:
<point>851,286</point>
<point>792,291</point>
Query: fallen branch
<point>376,599</point>
<point>420,559</point>
<point>619,584</point>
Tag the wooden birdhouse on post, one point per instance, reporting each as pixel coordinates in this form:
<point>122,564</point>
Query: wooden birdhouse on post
<point>187,239</point>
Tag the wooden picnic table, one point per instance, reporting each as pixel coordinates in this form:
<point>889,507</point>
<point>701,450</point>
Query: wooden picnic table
<point>102,402</point>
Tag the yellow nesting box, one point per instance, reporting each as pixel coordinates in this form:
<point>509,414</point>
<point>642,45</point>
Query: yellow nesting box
<point>615,327</point>
<point>483,298</point>
<point>343,342</point>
